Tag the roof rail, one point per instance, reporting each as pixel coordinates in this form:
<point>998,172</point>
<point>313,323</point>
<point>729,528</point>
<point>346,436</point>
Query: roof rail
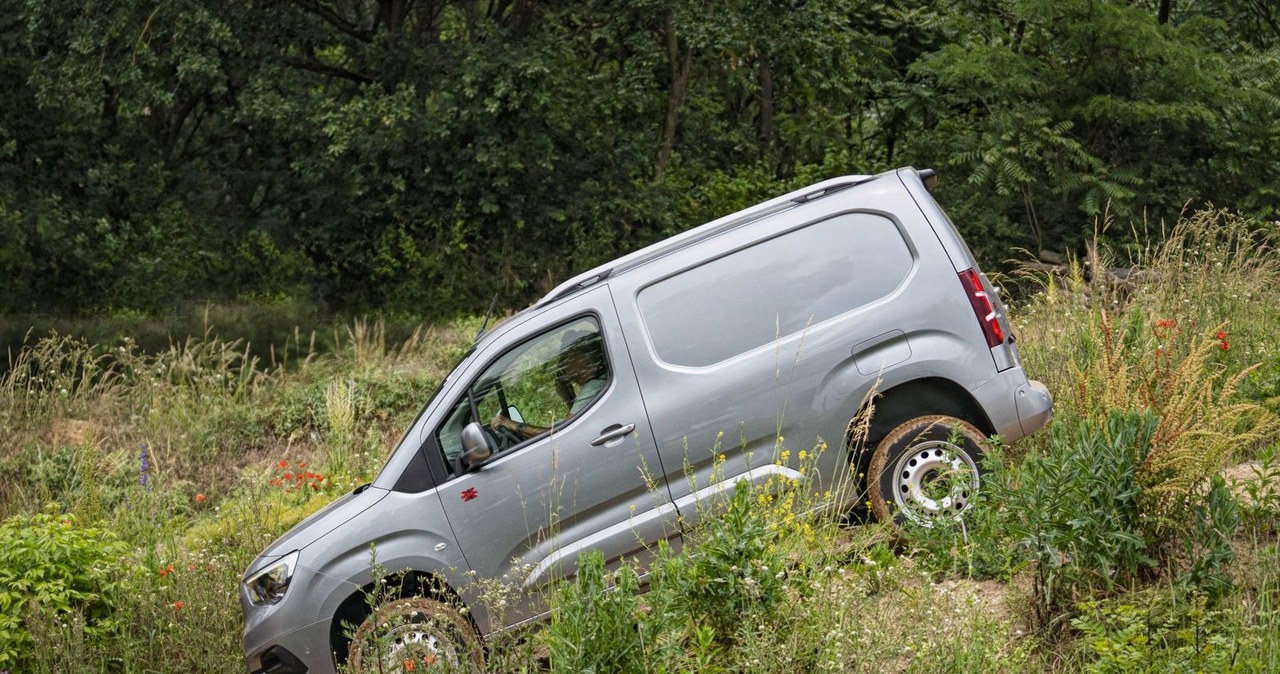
<point>563,289</point>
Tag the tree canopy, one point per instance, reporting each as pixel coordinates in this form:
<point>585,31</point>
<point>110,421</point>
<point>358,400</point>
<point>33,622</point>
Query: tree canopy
<point>421,156</point>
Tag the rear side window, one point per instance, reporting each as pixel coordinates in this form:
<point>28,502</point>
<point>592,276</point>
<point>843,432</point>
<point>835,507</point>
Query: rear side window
<point>772,289</point>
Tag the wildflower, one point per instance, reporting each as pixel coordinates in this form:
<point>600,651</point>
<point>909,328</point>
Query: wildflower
<point>1222,334</point>
<point>802,455</point>
<point>409,665</point>
<point>288,476</point>
<point>144,466</point>
<point>178,604</point>
<point>1224,345</point>
<point>199,498</point>
<point>283,464</point>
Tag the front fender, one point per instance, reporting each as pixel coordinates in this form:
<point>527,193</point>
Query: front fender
<point>403,532</point>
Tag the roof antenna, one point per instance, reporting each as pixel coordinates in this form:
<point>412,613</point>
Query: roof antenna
<point>487,316</point>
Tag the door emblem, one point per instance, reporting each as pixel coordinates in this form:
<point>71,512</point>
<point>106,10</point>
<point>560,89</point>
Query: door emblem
<point>469,493</point>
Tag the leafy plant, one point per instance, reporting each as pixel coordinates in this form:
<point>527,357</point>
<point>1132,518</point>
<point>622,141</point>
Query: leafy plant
<point>1169,634</point>
<point>49,565</point>
<point>1074,509</point>
<point>594,621</point>
<point>737,571</point>
<point>1208,543</point>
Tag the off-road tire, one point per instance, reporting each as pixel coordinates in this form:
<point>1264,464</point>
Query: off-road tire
<point>413,629</point>
<point>911,457</point>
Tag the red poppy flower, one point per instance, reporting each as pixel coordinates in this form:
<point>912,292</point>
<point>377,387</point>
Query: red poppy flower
<point>199,498</point>
<point>178,604</point>
<point>284,464</point>
<point>1222,334</point>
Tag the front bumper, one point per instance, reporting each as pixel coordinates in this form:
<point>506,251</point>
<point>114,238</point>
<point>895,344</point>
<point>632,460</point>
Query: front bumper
<point>273,648</point>
<point>276,660</point>
<point>302,651</point>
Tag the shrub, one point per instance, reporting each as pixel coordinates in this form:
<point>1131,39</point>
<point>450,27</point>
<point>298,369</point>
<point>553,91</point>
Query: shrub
<point>49,565</point>
<point>737,571</point>
<point>1165,633</point>
<point>1074,509</point>
<point>594,628</point>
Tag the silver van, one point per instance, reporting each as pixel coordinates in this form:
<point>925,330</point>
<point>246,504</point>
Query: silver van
<point>588,420</point>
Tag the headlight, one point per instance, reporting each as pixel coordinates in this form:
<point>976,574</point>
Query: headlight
<point>268,585</point>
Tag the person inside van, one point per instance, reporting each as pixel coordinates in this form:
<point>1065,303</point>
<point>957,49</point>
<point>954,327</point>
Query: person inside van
<point>582,364</point>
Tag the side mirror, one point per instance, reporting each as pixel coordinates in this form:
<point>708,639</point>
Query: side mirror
<point>477,446</point>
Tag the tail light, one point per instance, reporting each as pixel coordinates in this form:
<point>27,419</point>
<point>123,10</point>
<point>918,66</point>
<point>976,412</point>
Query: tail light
<point>982,307</point>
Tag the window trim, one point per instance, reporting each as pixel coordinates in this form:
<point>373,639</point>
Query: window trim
<point>432,435</point>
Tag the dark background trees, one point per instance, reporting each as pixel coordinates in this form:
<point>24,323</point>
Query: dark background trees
<point>420,156</point>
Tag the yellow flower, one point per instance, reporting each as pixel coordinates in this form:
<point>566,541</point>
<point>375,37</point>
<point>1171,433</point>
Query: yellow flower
<point>802,455</point>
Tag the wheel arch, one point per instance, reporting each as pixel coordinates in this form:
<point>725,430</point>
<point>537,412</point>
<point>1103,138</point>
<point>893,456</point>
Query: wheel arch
<point>356,606</point>
<point>921,397</point>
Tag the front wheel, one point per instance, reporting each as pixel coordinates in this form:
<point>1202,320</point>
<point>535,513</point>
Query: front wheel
<point>925,470</point>
<point>416,635</point>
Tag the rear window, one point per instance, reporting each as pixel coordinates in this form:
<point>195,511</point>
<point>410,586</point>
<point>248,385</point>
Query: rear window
<point>749,298</point>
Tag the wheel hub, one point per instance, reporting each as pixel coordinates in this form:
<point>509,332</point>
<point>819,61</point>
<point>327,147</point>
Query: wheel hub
<point>411,641</point>
<point>934,480</point>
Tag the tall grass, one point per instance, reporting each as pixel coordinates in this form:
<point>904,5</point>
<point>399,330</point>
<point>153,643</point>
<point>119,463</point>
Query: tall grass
<point>185,458</point>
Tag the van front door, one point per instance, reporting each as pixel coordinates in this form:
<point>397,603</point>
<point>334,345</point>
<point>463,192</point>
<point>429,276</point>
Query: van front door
<point>576,468</point>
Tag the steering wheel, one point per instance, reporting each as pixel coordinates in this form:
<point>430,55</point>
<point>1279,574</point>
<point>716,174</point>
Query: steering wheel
<point>504,438</point>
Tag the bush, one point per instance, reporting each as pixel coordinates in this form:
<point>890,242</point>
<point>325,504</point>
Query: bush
<point>737,571</point>
<point>593,628</point>
<point>1074,509</point>
<point>49,565</point>
<point>1168,633</point>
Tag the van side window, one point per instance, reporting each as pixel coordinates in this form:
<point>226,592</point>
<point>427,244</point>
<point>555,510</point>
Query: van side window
<point>532,388</point>
<point>775,288</point>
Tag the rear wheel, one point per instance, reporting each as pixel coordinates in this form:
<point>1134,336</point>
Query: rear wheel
<point>416,635</point>
<point>925,470</point>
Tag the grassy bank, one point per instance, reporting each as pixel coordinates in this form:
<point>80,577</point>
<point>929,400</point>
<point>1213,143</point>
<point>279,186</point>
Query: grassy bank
<point>137,483</point>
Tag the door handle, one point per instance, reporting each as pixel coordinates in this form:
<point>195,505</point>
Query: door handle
<point>613,433</point>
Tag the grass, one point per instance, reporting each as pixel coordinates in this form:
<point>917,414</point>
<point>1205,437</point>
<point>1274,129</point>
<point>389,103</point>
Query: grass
<point>146,479</point>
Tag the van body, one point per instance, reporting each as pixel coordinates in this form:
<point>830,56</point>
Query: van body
<point>706,348</point>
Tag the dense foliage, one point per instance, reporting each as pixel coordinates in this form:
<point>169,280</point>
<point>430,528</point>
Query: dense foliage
<point>419,156</point>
